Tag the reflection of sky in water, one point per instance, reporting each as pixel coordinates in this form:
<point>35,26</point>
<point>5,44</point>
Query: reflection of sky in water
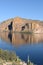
<point>35,51</point>
<point>5,45</point>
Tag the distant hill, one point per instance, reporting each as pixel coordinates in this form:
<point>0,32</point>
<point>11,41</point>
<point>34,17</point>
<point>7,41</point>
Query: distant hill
<point>18,24</point>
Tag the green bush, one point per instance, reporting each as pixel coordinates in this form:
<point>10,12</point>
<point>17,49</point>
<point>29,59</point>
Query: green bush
<point>6,55</point>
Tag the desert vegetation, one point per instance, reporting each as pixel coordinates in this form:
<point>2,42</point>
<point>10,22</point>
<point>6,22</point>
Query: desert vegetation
<point>10,58</point>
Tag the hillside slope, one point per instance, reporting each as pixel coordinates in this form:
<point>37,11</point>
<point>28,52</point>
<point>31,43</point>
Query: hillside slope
<point>18,24</point>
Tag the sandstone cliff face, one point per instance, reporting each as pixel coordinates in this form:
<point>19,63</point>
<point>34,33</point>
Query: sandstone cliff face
<point>22,25</point>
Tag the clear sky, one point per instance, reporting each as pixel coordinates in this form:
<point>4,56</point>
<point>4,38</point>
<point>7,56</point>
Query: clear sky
<point>30,9</point>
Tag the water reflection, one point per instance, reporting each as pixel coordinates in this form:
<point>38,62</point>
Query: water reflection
<point>10,36</point>
<point>19,39</point>
<point>24,45</point>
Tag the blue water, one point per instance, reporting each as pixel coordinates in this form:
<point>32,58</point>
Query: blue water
<point>34,51</point>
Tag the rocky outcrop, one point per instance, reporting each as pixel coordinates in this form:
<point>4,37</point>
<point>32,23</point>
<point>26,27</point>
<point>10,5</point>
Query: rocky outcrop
<point>22,25</point>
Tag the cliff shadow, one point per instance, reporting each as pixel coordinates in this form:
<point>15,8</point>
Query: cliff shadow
<point>10,26</point>
<point>10,36</point>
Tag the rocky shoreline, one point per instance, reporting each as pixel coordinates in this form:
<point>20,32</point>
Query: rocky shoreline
<point>10,58</point>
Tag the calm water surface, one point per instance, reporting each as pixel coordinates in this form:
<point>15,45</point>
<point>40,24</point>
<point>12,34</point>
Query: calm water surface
<point>24,45</point>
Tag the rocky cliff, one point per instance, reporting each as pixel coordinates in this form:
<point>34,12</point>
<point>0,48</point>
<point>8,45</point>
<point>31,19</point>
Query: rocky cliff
<point>22,25</point>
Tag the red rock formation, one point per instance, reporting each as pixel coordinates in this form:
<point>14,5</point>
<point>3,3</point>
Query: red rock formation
<point>22,25</point>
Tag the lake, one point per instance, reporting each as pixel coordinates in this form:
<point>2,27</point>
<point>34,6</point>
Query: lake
<point>24,45</point>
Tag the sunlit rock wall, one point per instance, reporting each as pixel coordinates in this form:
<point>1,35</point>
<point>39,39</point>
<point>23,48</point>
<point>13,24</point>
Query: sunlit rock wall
<point>22,25</point>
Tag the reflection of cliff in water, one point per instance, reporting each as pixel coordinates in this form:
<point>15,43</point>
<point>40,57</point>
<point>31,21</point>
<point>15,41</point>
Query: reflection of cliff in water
<point>19,39</point>
<point>10,36</point>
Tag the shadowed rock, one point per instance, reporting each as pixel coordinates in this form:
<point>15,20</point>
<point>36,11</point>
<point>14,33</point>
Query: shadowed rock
<point>10,26</point>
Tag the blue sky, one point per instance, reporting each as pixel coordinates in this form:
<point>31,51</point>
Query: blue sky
<point>30,9</point>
